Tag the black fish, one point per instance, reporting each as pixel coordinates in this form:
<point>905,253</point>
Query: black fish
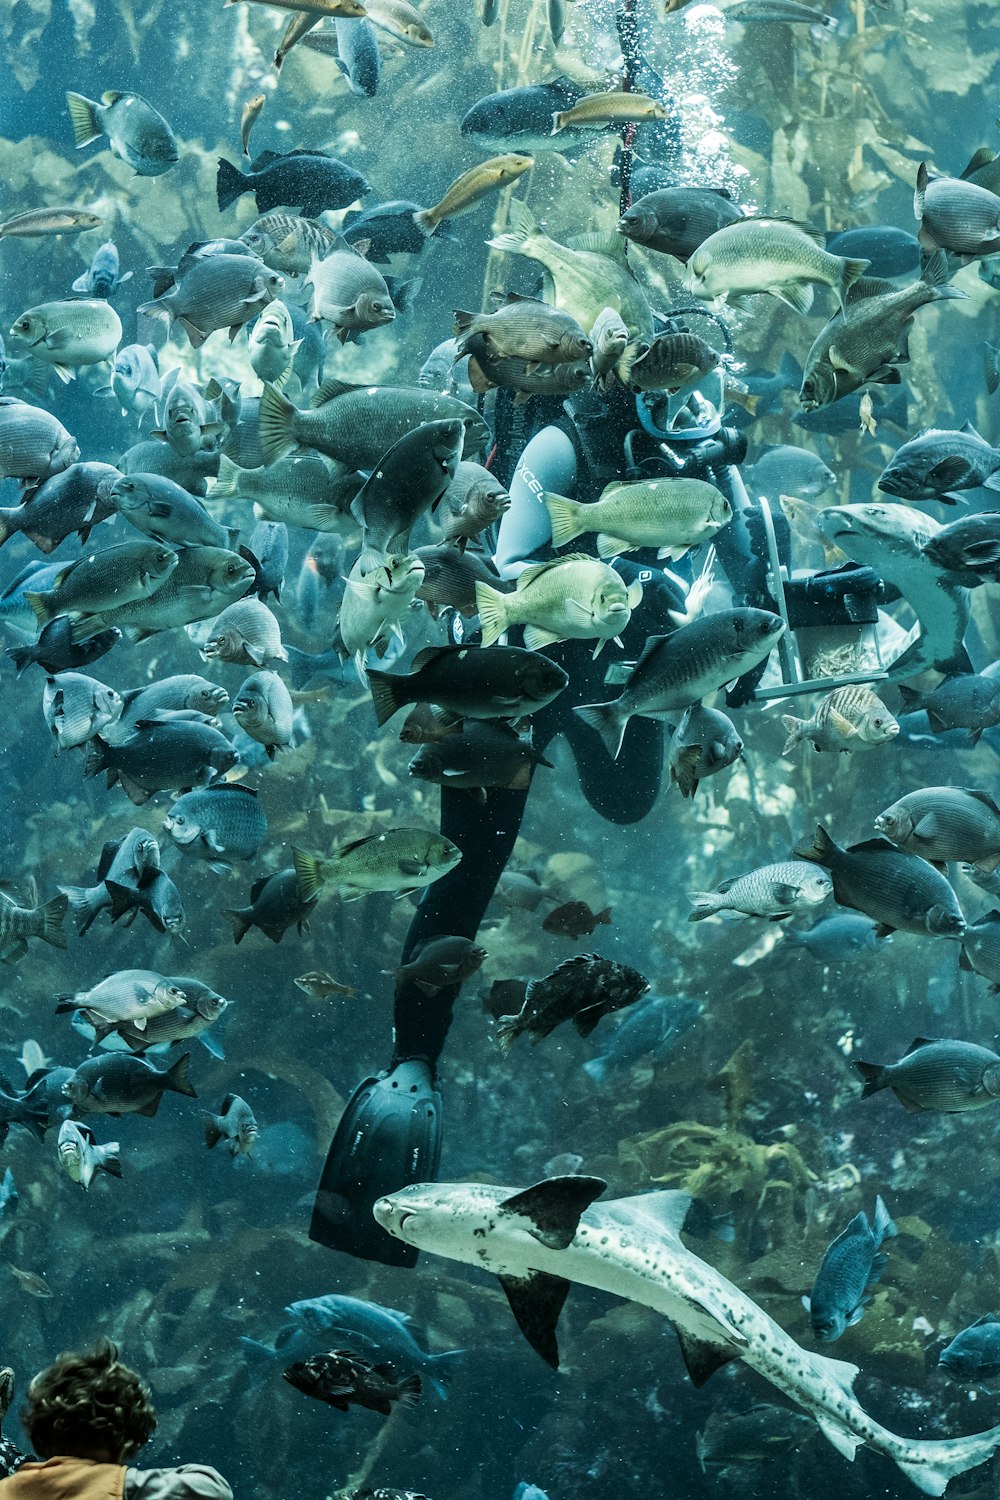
<point>56,651</point>
<point>275,905</point>
<point>342,1379</point>
<point>895,889</point>
<point>949,1076</point>
<point>581,990</point>
<point>308,181</point>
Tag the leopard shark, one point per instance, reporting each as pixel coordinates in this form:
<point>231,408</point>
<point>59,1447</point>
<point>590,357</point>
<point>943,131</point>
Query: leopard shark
<point>541,1239</point>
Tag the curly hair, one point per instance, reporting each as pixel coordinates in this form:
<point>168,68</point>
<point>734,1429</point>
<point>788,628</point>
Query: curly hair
<point>87,1403</point>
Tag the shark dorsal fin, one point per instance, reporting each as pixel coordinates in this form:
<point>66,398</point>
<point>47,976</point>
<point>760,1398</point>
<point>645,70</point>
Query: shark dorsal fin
<point>554,1207</point>
<point>536,1300</point>
<point>840,1370</point>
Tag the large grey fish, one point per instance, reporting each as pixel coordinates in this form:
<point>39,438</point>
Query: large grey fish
<point>408,481</point>
<point>704,743</point>
<point>981,946</point>
<point>956,215</point>
<point>974,1354</point>
<point>970,701</point>
<point>970,546</point>
<point>185,691</point>
<point>264,710</point>
<point>677,220</point>
<point>215,291</point>
<point>276,903</point>
<point>542,1239</point>
<point>81,1157</point>
<point>358,424</point>
<point>33,443</point>
<point>154,504</point>
<point>130,995</point>
<point>945,824</point>
<point>937,462</point>
<point>866,340</point>
<point>217,824</point>
<point>304,489</point>
<point>380,1329</point>
<point>949,1076</point>
<point>235,1124</point>
<point>104,582</point>
<point>116,1083</point>
<point>77,707</point>
<point>897,890</point>
<point>852,1265</point>
<point>18,923</point>
<point>204,581</point>
<point>75,500</point>
<point>162,755</point>
<point>137,133</point>
<point>677,670</point>
<point>891,539</point>
<point>246,633</point>
<point>772,891</point>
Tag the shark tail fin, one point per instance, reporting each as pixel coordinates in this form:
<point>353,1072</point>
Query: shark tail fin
<point>932,1464</point>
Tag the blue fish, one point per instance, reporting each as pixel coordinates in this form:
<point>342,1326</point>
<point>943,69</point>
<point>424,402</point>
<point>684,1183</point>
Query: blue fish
<point>851,1265</point>
<point>974,1354</point>
<point>649,1033</point>
<point>380,1328</point>
<point>842,938</point>
<point>102,276</point>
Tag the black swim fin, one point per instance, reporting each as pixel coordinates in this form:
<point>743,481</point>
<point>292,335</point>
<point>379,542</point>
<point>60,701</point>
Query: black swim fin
<point>388,1137</point>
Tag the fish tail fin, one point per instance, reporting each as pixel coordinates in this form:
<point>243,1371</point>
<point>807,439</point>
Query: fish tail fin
<point>95,758</point>
<point>492,608</point>
<point>850,272</point>
<point>83,117</point>
<point>523,227</point>
<point>703,904</point>
<point>564,516</point>
<point>7,529</point>
<point>884,1227</point>
<point>109,1159</point>
<point>240,920</point>
<point>409,1390</point>
<point>818,848</point>
<point>35,1120</point>
<point>873,1076</point>
<point>425,220</point>
<point>945,1460</point>
<point>53,916</point>
<point>226,482</point>
<point>442,1367</point>
<point>309,872</point>
<point>230,183</point>
<point>21,656</point>
<point>213,1135</point>
<point>793,728</point>
<point>86,902</point>
<point>276,423</point>
<point>936,273</point>
<point>383,690</point>
<point>39,605</point>
<point>508,1028</point>
<point>608,721</point>
<point>176,1078</point>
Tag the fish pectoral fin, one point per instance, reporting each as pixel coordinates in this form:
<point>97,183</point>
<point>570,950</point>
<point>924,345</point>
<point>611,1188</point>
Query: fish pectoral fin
<point>536,1300</point>
<point>702,1356</point>
<point>842,726</point>
<point>844,1442</point>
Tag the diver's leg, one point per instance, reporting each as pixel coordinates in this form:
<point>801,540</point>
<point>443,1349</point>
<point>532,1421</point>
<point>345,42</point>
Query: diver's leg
<point>390,1132</point>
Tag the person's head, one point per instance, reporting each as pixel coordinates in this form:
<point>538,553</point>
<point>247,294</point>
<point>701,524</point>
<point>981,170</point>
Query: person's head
<point>88,1405</point>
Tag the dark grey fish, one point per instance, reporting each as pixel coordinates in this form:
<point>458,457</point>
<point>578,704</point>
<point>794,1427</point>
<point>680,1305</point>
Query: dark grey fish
<point>235,1124</point>
<point>217,824</point>
<point>407,482</point>
<point>647,1034</point>
<point>116,1083</point>
<point>675,220</point>
<point>894,888</point>
<point>275,905</point>
<point>968,701</point>
<point>938,462</point>
<point>57,651</point>
<point>974,1354</point>
<point>981,947</point>
<point>704,743</point>
<point>503,682</point>
<point>971,546</point>
<point>308,181</point>
<point>268,547</point>
<point>159,508</point>
<point>73,501</point>
<point>162,755</point>
<point>945,824</point>
<point>949,1076</point>
<point>850,1267</point>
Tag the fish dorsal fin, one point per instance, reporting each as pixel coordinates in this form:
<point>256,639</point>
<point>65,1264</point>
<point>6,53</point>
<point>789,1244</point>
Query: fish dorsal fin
<point>536,1300</point>
<point>331,389</point>
<point>991,917</point>
<point>428,654</point>
<point>554,1207</point>
<point>986,1318</point>
<point>978,160</point>
<point>874,846</point>
<point>87,1133</point>
<point>968,427</point>
<point>868,286</point>
<point>702,1357</point>
<point>983,797</point>
<point>537,569</point>
<point>918,1042</point>
<point>595,243</point>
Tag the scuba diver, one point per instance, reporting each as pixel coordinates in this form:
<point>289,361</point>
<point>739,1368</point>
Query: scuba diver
<point>389,1134</point>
